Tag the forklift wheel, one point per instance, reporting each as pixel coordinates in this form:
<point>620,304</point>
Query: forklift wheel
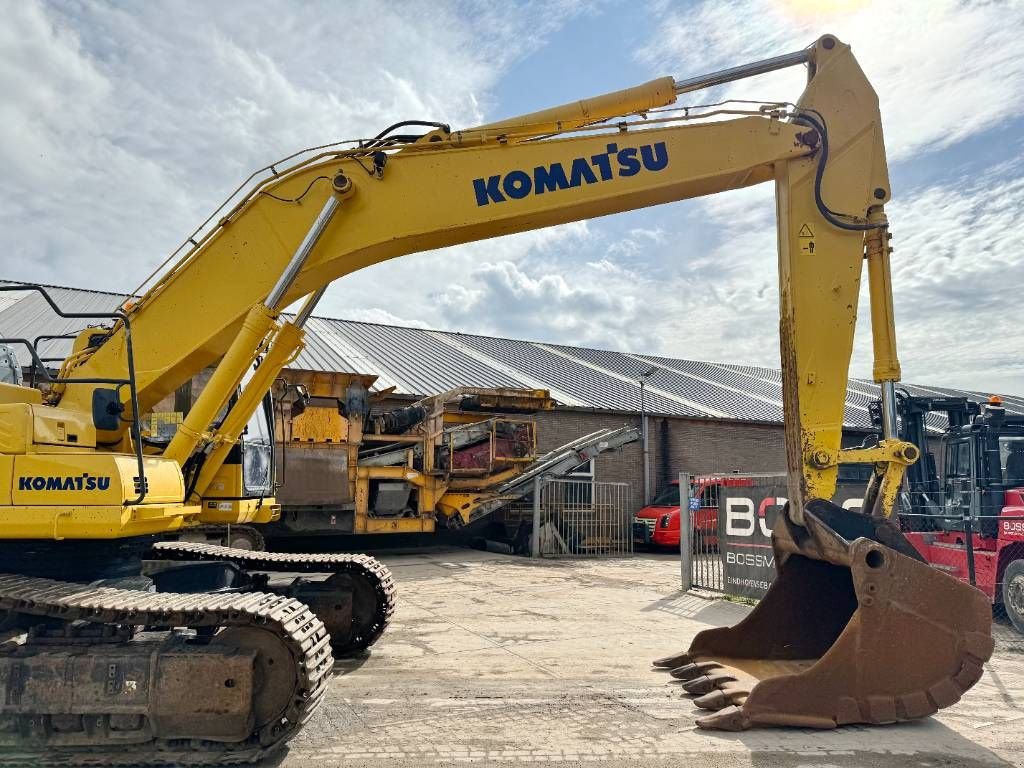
<point>1013,593</point>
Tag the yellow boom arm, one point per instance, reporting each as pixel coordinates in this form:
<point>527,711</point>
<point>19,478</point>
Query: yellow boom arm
<point>340,212</point>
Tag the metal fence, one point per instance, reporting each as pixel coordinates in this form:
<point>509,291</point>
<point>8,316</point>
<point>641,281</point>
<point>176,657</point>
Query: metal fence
<point>580,518</point>
<point>704,496</point>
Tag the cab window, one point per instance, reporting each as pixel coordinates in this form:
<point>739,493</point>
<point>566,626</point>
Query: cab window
<point>958,459</point>
<point>1011,459</point>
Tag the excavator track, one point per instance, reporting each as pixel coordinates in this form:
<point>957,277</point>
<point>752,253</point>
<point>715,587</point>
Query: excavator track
<point>375,580</point>
<point>223,535</point>
<point>44,737</point>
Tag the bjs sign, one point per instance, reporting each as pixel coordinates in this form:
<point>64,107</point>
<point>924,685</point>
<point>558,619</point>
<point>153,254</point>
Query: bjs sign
<point>746,516</point>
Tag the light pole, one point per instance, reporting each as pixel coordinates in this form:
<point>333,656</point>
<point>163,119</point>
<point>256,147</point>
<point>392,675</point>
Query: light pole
<point>643,433</point>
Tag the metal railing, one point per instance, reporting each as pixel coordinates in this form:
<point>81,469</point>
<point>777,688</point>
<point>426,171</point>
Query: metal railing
<point>580,518</point>
<point>38,366</point>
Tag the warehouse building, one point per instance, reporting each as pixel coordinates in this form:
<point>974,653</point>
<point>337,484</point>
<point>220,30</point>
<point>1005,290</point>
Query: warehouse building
<point>701,416</point>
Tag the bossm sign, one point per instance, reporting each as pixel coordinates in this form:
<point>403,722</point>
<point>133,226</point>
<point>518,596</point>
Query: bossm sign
<point>612,163</point>
<point>745,518</point>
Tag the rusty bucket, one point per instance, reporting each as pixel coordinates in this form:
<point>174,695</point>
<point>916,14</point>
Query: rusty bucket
<point>856,628</point>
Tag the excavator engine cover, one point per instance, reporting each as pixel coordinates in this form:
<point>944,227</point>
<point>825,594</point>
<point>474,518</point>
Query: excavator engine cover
<point>829,644</point>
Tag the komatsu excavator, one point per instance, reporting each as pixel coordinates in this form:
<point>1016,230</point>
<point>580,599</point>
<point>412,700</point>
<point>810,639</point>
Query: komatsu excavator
<point>211,658</point>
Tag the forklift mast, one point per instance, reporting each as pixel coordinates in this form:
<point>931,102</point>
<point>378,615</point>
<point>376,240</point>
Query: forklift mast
<point>987,433</point>
<point>912,414</point>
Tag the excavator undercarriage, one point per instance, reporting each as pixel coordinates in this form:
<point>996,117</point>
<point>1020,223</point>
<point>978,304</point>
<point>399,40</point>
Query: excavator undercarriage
<point>97,675</point>
<point>174,652</point>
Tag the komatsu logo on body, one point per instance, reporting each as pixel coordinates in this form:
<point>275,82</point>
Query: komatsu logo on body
<point>628,161</point>
<point>83,482</point>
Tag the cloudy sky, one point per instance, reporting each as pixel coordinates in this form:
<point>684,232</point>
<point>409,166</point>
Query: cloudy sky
<point>125,124</point>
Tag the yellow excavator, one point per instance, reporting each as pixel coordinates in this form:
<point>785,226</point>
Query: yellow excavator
<point>119,646</point>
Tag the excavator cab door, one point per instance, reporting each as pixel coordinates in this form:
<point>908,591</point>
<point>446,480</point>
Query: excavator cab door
<point>258,452</point>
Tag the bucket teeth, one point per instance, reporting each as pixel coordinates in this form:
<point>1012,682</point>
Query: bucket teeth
<point>673,661</point>
<point>726,719</point>
<point>690,671</point>
<point>707,683</point>
<point>715,700</point>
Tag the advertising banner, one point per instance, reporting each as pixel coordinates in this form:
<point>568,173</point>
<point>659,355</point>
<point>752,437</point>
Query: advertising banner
<point>746,515</point>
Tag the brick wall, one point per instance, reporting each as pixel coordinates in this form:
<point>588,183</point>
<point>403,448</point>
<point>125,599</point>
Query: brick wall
<point>676,445</point>
<point>558,427</point>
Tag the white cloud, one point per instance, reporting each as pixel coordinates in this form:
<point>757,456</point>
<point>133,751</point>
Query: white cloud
<point>382,317</point>
<point>597,305</point>
<point>638,240</point>
<point>957,277</point>
<point>435,286</point>
<point>944,70</point>
<point>125,125</point>
<point>700,309</point>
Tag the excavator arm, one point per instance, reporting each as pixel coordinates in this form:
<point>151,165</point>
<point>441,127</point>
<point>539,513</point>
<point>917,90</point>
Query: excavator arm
<point>302,228</point>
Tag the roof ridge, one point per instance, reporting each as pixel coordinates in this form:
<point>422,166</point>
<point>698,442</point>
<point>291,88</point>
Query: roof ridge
<point>68,288</point>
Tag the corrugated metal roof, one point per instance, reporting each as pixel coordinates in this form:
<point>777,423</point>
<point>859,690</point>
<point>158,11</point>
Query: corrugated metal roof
<point>422,362</point>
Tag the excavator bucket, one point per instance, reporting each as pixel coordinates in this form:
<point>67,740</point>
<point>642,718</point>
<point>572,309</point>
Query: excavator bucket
<point>856,628</point>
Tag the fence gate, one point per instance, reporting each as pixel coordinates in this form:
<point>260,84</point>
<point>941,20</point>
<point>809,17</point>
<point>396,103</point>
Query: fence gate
<point>701,556</point>
<point>581,518</point>
<point>726,545</point>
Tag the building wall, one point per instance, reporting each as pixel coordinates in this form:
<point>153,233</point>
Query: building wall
<point>677,445</point>
<point>558,427</point>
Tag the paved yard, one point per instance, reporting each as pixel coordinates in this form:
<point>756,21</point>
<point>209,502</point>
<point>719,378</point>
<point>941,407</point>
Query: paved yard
<point>495,659</point>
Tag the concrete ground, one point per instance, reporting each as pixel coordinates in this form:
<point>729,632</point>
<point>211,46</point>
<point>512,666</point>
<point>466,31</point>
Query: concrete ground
<point>500,660</point>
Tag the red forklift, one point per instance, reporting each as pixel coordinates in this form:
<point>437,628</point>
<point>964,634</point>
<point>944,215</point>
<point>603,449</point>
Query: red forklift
<point>968,521</point>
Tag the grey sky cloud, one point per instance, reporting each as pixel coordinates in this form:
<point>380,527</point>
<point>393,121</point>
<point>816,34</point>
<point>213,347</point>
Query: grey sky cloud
<point>125,124</point>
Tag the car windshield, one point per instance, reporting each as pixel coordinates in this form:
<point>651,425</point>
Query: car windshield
<point>669,497</point>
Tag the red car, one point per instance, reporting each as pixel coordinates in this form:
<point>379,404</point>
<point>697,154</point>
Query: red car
<point>657,524</point>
